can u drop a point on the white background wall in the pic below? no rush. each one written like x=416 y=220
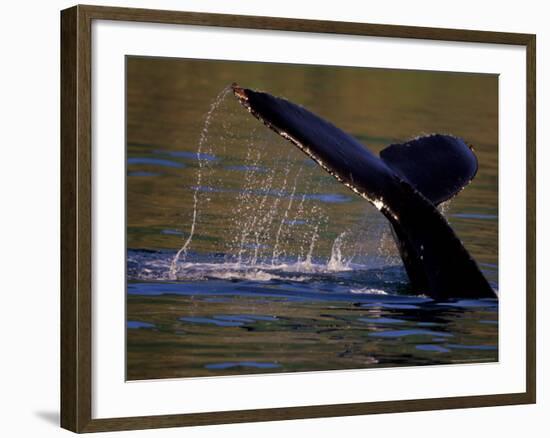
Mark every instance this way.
x=29 y=231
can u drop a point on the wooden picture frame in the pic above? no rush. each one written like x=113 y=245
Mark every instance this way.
x=76 y=218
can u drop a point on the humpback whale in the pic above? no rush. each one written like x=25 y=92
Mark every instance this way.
x=405 y=183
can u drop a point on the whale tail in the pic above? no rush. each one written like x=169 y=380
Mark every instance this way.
x=405 y=183
x=438 y=166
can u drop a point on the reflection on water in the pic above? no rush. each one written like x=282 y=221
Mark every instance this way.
x=284 y=269
x=219 y=327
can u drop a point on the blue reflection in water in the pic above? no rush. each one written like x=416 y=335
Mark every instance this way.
x=246 y=318
x=140 y=173
x=411 y=332
x=331 y=198
x=172 y=232
x=154 y=162
x=138 y=324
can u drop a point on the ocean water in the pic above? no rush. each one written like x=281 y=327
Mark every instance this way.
x=244 y=257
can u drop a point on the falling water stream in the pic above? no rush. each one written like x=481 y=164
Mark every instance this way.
x=271 y=227
x=183 y=250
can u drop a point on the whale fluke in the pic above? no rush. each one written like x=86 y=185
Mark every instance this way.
x=438 y=166
x=405 y=183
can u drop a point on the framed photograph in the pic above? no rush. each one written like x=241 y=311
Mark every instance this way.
x=268 y=219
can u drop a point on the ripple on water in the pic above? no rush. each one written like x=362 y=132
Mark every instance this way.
x=471 y=347
x=382 y=320
x=488 y=321
x=488 y=303
x=245 y=364
x=219 y=323
x=259 y=169
x=478 y=216
x=228 y=320
x=434 y=348
x=392 y=306
x=189 y=155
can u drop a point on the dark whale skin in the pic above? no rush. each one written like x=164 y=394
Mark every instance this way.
x=437 y=263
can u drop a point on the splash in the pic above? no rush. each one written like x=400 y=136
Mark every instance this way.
x=144 y=266
x=182 y=252
x=276 y=250
x=336 y=261
x=280 y=212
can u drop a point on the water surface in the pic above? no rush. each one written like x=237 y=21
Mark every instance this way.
x=280 y=268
